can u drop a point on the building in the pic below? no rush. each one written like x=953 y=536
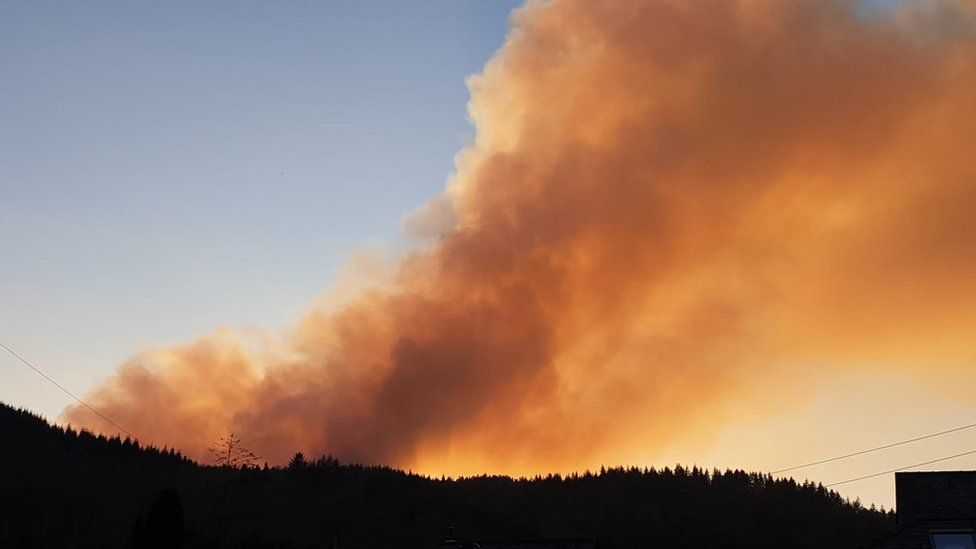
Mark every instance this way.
x=935 y=511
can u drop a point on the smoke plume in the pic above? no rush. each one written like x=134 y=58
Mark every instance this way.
x=665 y=202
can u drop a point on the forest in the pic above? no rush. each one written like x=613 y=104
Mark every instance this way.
x=60 y=487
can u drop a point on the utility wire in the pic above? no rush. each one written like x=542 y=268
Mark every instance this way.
x=872 y=475
x=67 y=392
x=875 y=449
x=810 y=464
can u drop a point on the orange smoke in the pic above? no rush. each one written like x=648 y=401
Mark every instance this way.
x=665 y=202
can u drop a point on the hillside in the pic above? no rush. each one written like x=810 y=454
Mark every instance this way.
x=61 y=488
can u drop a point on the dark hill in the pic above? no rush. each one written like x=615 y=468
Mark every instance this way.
x=62 y=488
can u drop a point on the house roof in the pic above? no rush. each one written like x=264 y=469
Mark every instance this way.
x=943 y=495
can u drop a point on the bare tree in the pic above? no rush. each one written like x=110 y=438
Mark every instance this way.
x=228 y=452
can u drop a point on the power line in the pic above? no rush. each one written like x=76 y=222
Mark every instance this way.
x=810 y=464
x=67 y=392
x=875 y=449
x=872 y=475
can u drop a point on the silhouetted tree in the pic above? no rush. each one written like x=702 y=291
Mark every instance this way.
x=297 y=462
x=228 y=452
x=163 y=528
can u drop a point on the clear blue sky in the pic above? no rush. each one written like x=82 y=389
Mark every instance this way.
x=142 y=199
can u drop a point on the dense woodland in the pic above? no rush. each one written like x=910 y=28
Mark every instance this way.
x=62 y=488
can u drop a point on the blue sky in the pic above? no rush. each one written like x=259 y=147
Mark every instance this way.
x=170 y=167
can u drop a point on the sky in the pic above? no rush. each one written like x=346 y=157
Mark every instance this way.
x=168 y=170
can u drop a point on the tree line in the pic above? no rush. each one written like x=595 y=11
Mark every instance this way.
x=60 y=487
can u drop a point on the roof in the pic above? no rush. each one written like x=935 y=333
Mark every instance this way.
x=935 y=495
x=932 y=502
